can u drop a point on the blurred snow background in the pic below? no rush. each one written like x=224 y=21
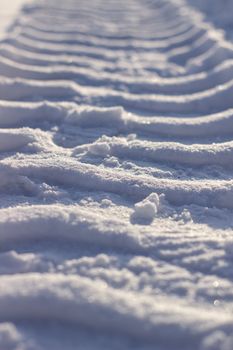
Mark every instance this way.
x=8 y=10
x=220 y=12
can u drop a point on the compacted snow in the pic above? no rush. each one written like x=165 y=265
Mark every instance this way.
x=8 y=12
x=219 y=12
x=116 y=188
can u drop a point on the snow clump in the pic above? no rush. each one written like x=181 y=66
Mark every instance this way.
x=147 y=209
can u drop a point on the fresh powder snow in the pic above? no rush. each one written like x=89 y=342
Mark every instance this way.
x=116 y=175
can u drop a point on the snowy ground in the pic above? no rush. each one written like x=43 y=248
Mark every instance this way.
x=8 y=11
x=219 y=12
x=116 y=190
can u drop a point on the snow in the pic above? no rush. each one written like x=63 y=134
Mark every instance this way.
x=116 y=189
x=9 y=11
x=219 y=12
x=147 y=209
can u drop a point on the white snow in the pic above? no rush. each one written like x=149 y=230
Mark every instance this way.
x=219 y=12
x=8 y=13
x=147 y=209
x=116 y=188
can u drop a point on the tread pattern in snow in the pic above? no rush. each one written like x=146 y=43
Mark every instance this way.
x=116 y=124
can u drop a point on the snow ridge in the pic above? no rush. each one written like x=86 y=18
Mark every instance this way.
x=116 y=190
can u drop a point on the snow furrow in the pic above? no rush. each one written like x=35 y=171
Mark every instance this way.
x=188 y=84
x=70 y=299
x=73 y=173
x=116 y=190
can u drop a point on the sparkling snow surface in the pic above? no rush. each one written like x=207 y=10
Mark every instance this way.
x=116 y=175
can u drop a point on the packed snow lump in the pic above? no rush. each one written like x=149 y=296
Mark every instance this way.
x=116 y=175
